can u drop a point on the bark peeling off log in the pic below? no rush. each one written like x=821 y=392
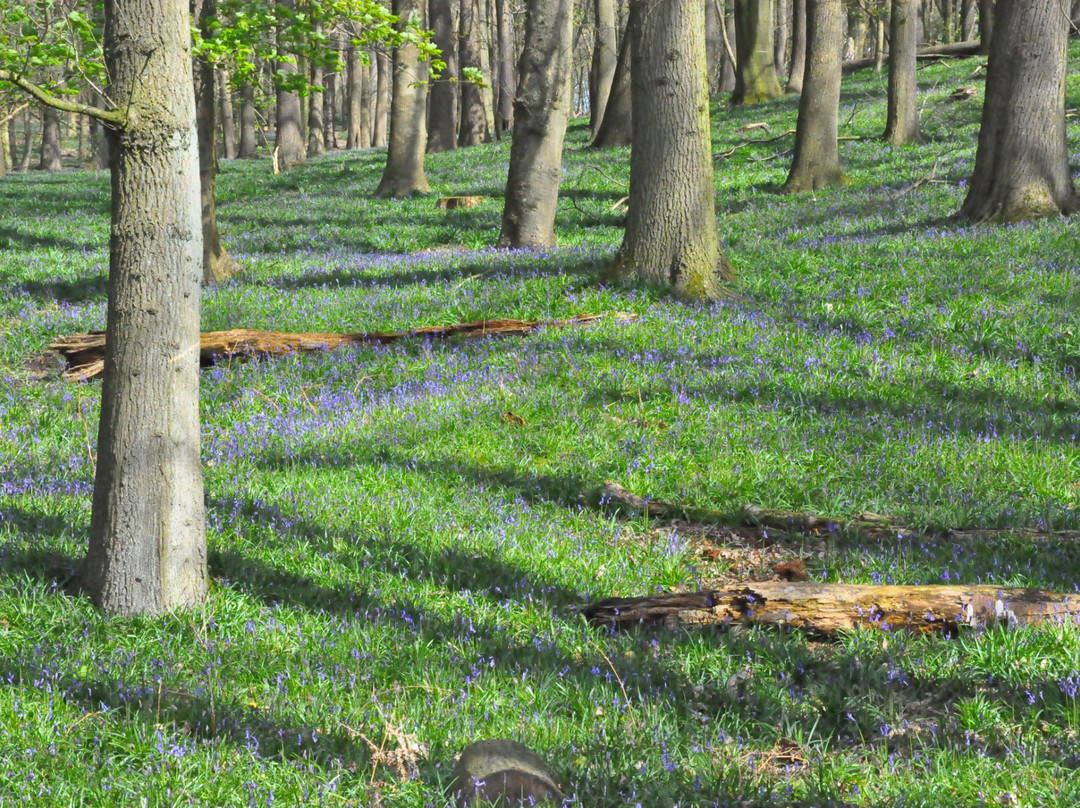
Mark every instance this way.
x=84 y=353
x=826 y=609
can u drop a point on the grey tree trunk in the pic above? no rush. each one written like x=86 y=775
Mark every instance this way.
x=714 y=45
x=879 y=44
x=316 y=142
x=902 y=120
x=289 y=129
x=755 y=73
x=147 y=549
x=781 y=34
x=671 y=234
x=507 y=80
x=50 y=135
x=354 y=99
x=329 y=111
x=541 y=110
x=986 y=25
x=817 y=154
x=1022 y=163
x=798 y=47
x=404 y=171
x=731 y=57
x=228 y=119
x=443 y=98
x=28 y=141
x=473 y=128
x=382 y=100
x=247 y=122
x=605 y=56
x=617 y=126
x=217 y=264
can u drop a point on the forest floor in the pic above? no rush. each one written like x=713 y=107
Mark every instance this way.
x=402 y=537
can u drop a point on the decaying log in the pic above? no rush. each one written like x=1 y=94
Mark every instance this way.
x=825 y=609
x=85 y=353
x=456 y=202
x=954 y=50
x=501 y=772
x=869 y=525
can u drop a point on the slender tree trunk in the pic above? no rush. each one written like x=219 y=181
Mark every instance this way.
x=228 y=119
x=1074 y=18
x=781 y=34
x=404 y=171
x=986 y=24
x=147 y=549
x=443 y=97
x=714 y=45
x=879 y=44
x=902 y=121
x=12 y=143
x=289 y=137
x=1022 y=163
x=4 y=146
x=247 y=121
x=755 y=73
x=605 y=55
x=617 y=125
x=817 y=155
x=967 y=20
x=355 y=69
x=541 y=110
x=382 y=100
x=316 y=141
x=731 y=56
x=473 y=127
x=856 y=27
x=507 y=81
x=488 y=47
x=671 y=234
x=329 y=96
x=28 y=141
x=50 y=140
x=798 y=47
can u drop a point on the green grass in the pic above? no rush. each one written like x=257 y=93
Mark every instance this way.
x=397 y=570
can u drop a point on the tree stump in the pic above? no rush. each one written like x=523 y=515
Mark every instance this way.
x=504 y=773
x=455 y=202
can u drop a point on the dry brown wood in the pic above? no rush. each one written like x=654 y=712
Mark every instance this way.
x=85 y=353
x=954 y=50
x=825 y=609
x=455 y=202
x=870 y=525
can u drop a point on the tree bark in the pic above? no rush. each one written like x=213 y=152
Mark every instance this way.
x=828 y=609
x=755 y=73
x=798 y=47
x=382 y=100
x=404 y=171
x=147 y=549
x=714 y=45
x=617 y=124
x=247 y=122
x=605 y=56
x=541 y=110
x=986 y=25
x=442 y=121
x=902 y=119
x=289 y=131
x=473 y=127
x=507 y=80
x=354 y=99
x=817 y=154
x=330 y=111
x=1022 y=162
x=731 y=57
x=316 y=142
x=671 y=236
x=781 y=30
x=228 y=122
x=50 y=133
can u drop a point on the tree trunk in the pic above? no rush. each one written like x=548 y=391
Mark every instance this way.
x=147 y=529
x=330 y=108
x=12 y=143
x=617 y=124
x=228 y=122
x=829 y=609
x=289 y=128
x=731 y=57
x=28 y=141
x=755 y=73
x=217 y=264
x=605 y=56
x=671 y=234
x=1022 y=163
x=798 y=47
x=541 y=110
x=902 y=120
x=781 y=33
x=817 y=155
x=50 y=133
x=714 y=45
x=443 y=100
x=856 y=28
x=4 y=150
x=382 y=100
x=986 y=25
x=404 y=171
x=507 y=80
x=316 y=141
x=354 y=99
x=473 y=127
x=247 y=121
x=1074 y=18
x=967 y=20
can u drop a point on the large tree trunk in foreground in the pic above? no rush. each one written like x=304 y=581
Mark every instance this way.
x=827 y=609
x=817 y=154
x=541 y=110
x=616 y=127
x=902 y=121
x=1022 y=163
x=147 y=528
x=404 y=171
x=671 y=234
x=605 y=56
x=217 y=263
x=755 y=73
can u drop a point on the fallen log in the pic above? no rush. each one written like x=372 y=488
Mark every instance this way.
x=869 y=525
x=826 y=609
x=952 y=51
x=84 y=354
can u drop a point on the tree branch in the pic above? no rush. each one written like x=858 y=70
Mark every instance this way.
x=115 y=118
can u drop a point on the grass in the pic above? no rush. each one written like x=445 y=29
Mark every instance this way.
x=397 y=569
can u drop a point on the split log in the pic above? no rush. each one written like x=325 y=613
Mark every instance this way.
x=825 y=609
x=504 y=773
x=85 y=353
x=953 y=51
